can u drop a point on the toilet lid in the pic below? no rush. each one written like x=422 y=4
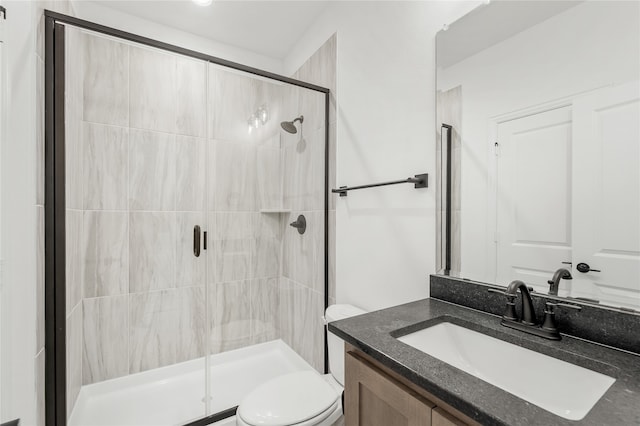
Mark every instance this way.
x=287 y=400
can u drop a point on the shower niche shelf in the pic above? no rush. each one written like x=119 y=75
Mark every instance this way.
x=275 y=211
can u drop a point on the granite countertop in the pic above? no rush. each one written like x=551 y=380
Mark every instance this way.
x=476 y=398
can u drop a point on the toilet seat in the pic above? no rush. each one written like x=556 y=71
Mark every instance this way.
x=301 y=398
x=324 y=419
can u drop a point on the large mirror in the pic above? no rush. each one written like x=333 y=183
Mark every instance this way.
x=539 y=121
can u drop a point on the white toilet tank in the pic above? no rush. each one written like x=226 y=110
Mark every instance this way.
x=336 y=344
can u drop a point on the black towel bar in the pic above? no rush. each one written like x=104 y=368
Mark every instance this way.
x=419 y=181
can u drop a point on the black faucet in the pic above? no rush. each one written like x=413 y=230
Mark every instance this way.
x=547 y=329
x=528 y=313
x=554 y=283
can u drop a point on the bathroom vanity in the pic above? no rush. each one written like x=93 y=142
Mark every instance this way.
x=391 y=382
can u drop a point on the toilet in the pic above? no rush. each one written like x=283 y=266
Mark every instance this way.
x=303 y=398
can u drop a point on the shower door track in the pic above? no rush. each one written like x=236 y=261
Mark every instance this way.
x=55 y=203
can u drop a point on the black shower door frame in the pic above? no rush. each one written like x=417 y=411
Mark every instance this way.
x=55 y=203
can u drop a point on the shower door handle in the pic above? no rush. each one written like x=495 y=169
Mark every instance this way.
x=196 y=241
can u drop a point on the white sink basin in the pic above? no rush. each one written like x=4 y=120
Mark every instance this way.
x=557 y=386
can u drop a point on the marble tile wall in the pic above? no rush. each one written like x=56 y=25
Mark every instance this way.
x=301 y=287
x=151 y=174
x=245 y=180
x=300 y=321
x=101 y=337
x=143 y=172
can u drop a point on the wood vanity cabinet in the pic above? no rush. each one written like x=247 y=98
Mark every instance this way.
x=377 y=396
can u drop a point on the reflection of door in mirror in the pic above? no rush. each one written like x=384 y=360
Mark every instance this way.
x=606 y=160
x=533 y=197
x=568 y=190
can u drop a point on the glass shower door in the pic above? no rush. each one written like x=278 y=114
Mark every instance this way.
x=265 y=278
x=136 y=153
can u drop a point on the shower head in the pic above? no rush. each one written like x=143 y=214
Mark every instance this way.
x=290 y=126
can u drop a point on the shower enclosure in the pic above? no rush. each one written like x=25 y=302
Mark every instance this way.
x=174 y=281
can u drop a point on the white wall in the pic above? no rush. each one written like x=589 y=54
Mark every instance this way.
x=589 y=46
x=122 y=21
x=22 y=346
x=385 y=237
x=19 y=218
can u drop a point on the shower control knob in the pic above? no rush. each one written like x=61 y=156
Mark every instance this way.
x=584 y=268
x=300 y=224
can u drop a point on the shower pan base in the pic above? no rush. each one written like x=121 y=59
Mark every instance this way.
x=174 y=395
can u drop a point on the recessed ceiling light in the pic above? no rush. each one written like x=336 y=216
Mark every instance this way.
x=202 y=2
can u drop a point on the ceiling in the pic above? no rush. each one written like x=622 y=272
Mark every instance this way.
x=270 y=28
x=492 y=23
